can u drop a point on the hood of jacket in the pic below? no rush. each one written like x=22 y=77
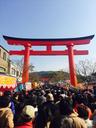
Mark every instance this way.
x=3 y=110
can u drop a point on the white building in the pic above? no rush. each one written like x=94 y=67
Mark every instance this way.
x=14 y=70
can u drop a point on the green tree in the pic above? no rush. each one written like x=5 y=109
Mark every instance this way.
x=60 y=76
x=34 y=77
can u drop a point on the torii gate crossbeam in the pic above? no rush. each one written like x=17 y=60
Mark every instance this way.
x=68 y=42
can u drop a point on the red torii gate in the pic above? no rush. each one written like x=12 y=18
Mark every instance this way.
x=69 y=42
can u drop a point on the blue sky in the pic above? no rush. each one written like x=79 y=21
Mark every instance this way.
x=49 y=19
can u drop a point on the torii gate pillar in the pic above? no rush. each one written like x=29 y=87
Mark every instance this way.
x=25 y=75
x=72 y=70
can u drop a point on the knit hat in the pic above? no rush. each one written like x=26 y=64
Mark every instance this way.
x=29 y=111
x=50 y=97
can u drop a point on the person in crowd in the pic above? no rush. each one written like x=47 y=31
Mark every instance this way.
x=26 y=118
x=94 y=118
x=83 y=112
x=45 y=112
x=69 y=118
x=6 y=115
x=41 y=98
x=80 y=99
x=18 y=106
x=93 y=104
x=12 y=106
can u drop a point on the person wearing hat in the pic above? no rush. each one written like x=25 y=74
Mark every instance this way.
x=26 y=118
x=50 y=97
x=45 y=112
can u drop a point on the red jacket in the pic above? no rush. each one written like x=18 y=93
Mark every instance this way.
x=25 y=125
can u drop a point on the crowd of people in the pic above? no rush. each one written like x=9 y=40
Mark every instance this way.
x=49 y=106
